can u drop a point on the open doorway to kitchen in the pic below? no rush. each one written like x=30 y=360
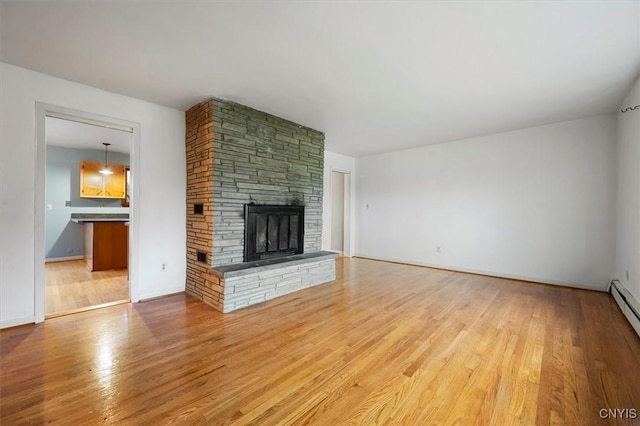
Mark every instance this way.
x=84 y=193
x=340 y=212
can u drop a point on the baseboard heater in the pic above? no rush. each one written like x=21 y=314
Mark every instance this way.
x=626 y=303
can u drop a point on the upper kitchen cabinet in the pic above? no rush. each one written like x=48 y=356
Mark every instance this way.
x=94 y=184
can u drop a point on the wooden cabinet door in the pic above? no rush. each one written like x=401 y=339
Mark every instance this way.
x=93 y=184
x=106 y=245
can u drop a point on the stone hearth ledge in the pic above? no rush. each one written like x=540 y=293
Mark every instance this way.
x=245 y=284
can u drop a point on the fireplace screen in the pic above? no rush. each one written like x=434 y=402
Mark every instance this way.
x=272 y=231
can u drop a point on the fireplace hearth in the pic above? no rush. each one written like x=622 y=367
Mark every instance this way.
x=272 y=231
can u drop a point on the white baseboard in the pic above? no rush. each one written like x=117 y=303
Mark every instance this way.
x=491 y=274
x=627 y=303
x=155 y=294
x=633 y=320
x=17 y=321
x=63 y=259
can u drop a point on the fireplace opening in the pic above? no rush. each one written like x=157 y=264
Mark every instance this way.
x=272 y=231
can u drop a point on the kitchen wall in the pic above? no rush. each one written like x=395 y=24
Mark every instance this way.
x=65 y=238
x=536 y=204
x=158 y=213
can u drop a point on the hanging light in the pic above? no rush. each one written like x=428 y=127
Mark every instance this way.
x=105 y=170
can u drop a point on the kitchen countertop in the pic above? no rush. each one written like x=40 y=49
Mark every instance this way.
x=99 y=217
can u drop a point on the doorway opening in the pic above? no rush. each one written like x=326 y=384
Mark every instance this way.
x=84 y=253
x=340 y=212
x=74 y=281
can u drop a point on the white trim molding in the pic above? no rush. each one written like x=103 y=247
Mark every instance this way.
x=44 y=110
x=63 y=259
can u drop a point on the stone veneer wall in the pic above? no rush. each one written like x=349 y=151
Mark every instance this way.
x=237 y=155
x=267 y=160
x=199 y=150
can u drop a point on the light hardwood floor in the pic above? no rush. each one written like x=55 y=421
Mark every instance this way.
x=70 y=287
x=383 y=344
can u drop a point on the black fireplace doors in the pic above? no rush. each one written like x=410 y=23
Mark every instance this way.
x=272 y=231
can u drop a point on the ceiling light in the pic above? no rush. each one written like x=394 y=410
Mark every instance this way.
x=105 y=170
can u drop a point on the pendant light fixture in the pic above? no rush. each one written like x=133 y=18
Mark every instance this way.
x=105 y=170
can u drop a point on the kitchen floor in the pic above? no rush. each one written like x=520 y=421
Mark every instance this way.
x=71 y=287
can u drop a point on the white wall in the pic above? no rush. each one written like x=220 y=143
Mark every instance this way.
x=159 y=209
x=536 y=204
x=345 y=164
x=628 y=233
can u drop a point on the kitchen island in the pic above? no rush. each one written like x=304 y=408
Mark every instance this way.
x=106 y=239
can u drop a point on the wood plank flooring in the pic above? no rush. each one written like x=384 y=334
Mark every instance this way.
x=383 y=344
x=70 y=286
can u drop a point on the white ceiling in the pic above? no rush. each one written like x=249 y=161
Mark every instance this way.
x=374 y=76
x=71 y=134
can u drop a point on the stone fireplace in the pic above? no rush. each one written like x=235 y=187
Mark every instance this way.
x=240 y=160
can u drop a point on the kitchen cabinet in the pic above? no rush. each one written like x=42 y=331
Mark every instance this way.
x=106 y=245
x=93 y=184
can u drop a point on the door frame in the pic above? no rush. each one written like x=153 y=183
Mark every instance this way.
x=44 y=110
x=346 y=238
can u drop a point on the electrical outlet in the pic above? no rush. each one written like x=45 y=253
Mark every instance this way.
x=438 y=249
x=67 y=203
x=49 y=206
x=164 y=266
